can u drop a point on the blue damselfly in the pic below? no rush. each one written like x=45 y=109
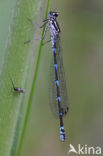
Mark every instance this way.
x=58 y=94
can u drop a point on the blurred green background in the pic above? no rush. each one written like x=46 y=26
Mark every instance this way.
x=81 y=25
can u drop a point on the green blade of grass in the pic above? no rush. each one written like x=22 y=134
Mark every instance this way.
x=16 y=61
x=33 y=86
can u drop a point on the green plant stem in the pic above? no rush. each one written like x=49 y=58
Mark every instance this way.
x=33 y=87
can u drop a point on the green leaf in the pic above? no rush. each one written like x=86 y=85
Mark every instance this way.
x=20 y=62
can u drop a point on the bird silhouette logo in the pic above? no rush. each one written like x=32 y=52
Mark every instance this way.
x=72 y=149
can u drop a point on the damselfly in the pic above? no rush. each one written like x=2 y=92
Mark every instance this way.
x=58 y=94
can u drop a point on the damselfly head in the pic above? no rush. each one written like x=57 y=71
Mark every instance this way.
x=53 y=14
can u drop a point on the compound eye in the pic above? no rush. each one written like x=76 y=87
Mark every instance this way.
x=53 y=14
x=56 y=14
